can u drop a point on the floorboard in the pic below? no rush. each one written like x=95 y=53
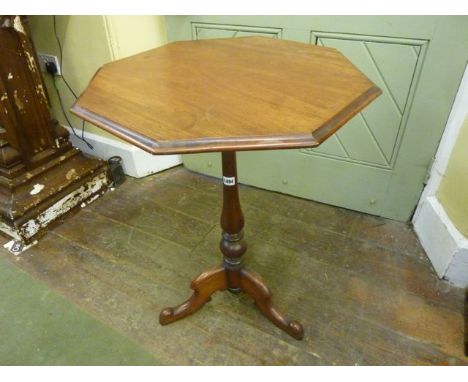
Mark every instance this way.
x=361 y=285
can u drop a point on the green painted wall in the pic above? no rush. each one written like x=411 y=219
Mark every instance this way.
x=88 y=43
x=453 y=190
x=85 y=49
x=134 y=34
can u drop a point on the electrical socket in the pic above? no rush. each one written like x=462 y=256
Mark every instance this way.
x=45 y=58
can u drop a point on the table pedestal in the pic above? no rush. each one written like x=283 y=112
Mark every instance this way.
x=231 y=275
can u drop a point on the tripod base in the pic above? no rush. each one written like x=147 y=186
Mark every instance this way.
x=216 y=279
x=231 y=275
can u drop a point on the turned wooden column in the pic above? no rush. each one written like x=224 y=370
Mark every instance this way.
x=42 y=176
x=232 y=222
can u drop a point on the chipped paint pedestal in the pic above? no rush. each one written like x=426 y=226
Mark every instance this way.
x=31 y=202
x=42 y=176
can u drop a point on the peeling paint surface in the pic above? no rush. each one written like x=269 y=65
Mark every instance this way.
x=31 y=227
x=30 y=61
x=18 y=102
x=18 y=25
x=6 y=23
x=36 y=189
x=40 y=91
x=72 y=174
x=10 y=231
x=89 y=201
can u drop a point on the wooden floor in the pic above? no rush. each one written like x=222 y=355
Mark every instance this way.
x=361 y=286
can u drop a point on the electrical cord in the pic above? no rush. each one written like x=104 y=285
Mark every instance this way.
x=60 y=58
x=61 y=106
x=53 y=70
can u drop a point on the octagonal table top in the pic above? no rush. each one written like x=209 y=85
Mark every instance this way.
x=248 y=93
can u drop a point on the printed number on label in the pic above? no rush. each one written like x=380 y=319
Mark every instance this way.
x=229 y=180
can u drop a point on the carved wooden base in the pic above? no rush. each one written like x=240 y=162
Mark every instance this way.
x=42 y=176
x=216 y=279
x=32 y=201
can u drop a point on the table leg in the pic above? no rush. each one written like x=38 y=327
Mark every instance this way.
x=231 y=275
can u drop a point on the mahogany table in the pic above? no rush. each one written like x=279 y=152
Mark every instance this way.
x=226 y=95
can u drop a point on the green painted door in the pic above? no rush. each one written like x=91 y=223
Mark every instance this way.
x=377 y=163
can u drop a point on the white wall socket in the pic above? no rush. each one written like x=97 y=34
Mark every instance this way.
x=44 y=58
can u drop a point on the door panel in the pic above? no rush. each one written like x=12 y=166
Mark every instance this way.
x=201 y=31
x=377 y=162
x=372 y=137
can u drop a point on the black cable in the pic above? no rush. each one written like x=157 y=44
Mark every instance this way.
x=60 y=59
x=69 y=88
x=66 y=117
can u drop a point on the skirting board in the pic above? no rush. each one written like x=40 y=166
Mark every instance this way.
x=136 y=162
x=445 y=246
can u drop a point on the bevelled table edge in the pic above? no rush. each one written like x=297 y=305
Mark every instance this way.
x=217 y=144
x=338 y=120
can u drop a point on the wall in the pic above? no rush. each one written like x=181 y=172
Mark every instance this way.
x=133 y=34
x=440 y=220
x=453 y=190
x=85 y=48
x=89 y=42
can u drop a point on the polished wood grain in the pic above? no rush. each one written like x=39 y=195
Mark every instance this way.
x=204 y=286
x=246 y=93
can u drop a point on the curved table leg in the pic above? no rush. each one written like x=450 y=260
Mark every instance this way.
x=254 y=286
x=204 y=286
x=231 y=275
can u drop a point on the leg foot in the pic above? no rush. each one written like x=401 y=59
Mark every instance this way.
x=253 y=285
x=204 y=286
